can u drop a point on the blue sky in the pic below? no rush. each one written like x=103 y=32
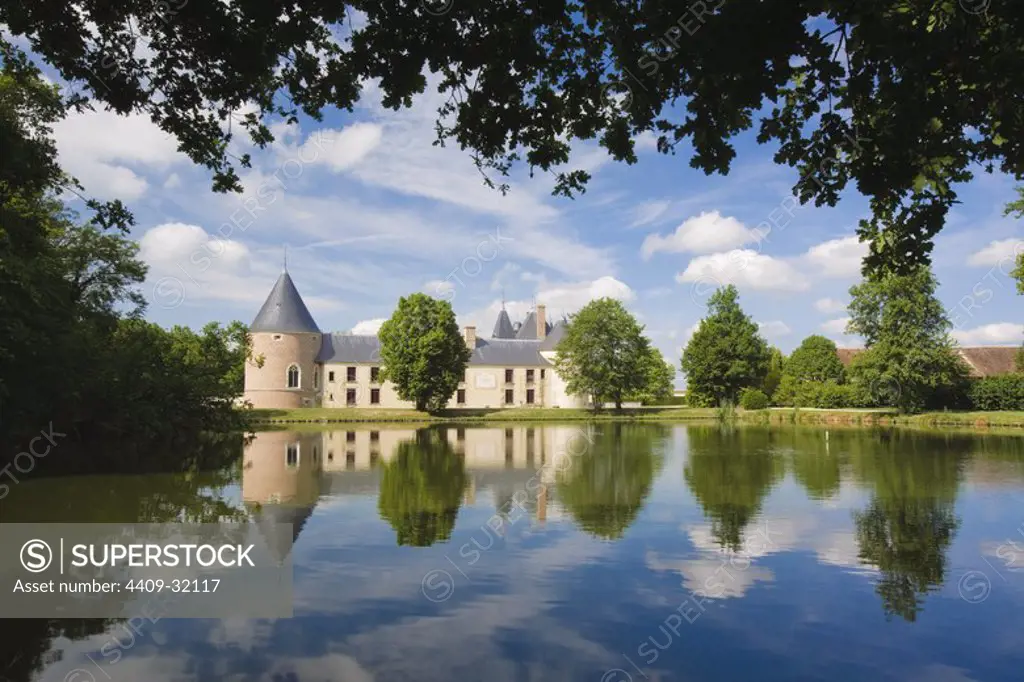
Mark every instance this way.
x=370 y=210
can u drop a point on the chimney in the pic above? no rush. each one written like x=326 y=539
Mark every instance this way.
x=542 y=321
x=469 y=333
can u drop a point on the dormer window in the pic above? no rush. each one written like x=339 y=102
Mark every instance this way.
x=293 y=376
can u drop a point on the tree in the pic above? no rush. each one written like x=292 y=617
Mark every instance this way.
x=910 y=361
x=776 y=365
x=901 y=98
x=607 y=485
x=725 y=354
x=422 y=352
x=658 y=379
x=814 y=362
x=421 y=489
x=604 y=354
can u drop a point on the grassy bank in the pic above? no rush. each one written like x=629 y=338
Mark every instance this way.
x=885 y=417
x=329 y=415
x=866 y=417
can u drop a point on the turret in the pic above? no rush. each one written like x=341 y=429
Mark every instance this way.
x=282 y=372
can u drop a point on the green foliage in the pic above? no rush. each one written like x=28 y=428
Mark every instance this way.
x=841 y=117
x=658 y=382
x=911 y=362
x=776 y=367
x=725 y=354
x=73 y=349
x=605 y=487
x=753 y=399
x=1001 y=392
x=604 y=355
x=421 y=489
x=816 y=359
x=422 y=351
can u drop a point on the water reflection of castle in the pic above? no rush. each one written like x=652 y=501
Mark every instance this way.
x=285 y=473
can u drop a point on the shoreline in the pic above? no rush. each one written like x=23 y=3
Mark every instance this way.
x=670 y=414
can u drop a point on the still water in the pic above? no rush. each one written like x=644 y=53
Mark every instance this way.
x=613 y=553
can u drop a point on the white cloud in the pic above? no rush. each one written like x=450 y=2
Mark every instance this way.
x=706 y=233
x=559 y=299
x=342 y=149
x=991 y=334
x=829 y=305
x=368 y=326
x=746 y=269
x=98 y=148
x=649 y=211
x=838 y=257
x=996 y=252
x=837 y=326
x=774 y=328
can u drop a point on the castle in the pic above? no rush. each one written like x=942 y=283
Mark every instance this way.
x=304 y=367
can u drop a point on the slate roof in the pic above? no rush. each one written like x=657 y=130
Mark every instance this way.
x=365 y=348
x=284 y=310
x=528 y=330
x=359 y=348
x=503 y=327
x=555 y=335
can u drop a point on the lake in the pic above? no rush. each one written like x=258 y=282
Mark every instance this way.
x=610 y=552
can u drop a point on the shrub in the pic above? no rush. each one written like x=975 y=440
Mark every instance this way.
x=1001 y=392
x=831 y=395
x=753 y=399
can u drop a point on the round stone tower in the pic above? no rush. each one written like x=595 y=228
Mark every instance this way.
x=283 y=372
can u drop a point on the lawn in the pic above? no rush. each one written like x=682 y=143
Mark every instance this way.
x=513 y=414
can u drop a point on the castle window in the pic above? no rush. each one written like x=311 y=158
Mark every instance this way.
x=529 y=396
x=375 y=374
x=350 y=374
x=375 y=396
x=316 y=378
x=508 y=397
x=293 y=376
x=508 y=376
x=542 y=374
x=460 y=396
x=529 y=376
x=291 y=455
x=330 y=376
x=350 y=396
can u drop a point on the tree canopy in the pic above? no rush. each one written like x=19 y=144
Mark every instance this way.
x=910 y=361
x=813 y=363
x=74 y=351
x=604 y=354
x=422 y=351
x=725 y=354
x=902 y=99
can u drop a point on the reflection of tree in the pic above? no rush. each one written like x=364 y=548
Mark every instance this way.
x=24 y=643
x=817 y=462
x=606 y=485
x=189 y=491
x=730 y=471
x=910 y=522
x=421 y=489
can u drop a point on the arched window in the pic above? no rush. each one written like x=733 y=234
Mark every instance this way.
x=293 y=376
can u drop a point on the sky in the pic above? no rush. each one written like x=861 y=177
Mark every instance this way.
x=368 y=210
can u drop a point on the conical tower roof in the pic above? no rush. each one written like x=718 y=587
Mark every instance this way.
x=503 y=327
x=284 y=310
